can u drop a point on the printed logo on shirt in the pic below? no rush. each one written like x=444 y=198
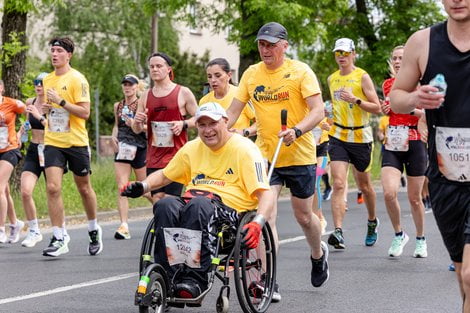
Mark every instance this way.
x=229 y=171
x=64 y=88
x=201 y=179
x=259 y=171
x=265 y=94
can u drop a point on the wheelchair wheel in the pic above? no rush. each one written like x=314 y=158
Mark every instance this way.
x=255 y=270
x=156 y=290
x=146 y=250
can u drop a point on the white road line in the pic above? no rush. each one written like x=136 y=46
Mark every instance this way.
x=67 y=288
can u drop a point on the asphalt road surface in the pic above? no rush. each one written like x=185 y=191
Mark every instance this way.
x=362 y=279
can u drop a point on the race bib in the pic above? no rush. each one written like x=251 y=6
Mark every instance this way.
x=317 y=131
x=183 y=246
x=397 y=138
x=4 y=137
x=162 y=134
x=41 y=154
x=126 y=152
x=453 y=153
x=59 y=120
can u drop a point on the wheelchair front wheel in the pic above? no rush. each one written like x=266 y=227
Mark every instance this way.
x=155 y=296
x=255 y=270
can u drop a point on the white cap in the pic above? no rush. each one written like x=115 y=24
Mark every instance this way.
x=212 y=110
x=344 y=44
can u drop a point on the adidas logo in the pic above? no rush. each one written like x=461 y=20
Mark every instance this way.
x=64 y=88
x=229 y=171
x=463 y=177
x=84 y=171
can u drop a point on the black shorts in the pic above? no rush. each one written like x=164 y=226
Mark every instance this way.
x=300 y=179
x=77 y=159
x=358 y=154
x=139 y=161
x=450 y=206
x=414 y=160
x=31 y=161
x=322 y=149
x=174 y=189
x=11 y=156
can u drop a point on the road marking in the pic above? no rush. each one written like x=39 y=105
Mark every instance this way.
x=67 y=288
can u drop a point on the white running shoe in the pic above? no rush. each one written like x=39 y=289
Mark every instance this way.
x=3 y=237
x=421 y=250
x=15 y=231
x=398 y=243
x=31 y=239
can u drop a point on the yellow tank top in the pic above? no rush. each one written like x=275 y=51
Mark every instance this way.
x=349 y=114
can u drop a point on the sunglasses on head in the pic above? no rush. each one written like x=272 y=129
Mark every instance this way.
x=37 y=82
x=340 y=53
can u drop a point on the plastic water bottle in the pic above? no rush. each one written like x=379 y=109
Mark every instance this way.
x=26 y=128
x=328 y=109
x=440 y=83
x=126 y=113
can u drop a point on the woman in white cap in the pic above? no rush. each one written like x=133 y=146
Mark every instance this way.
x=34 y=161
x=130 y=148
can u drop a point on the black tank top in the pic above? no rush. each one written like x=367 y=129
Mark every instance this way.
x=35 y=123
x=446 y=59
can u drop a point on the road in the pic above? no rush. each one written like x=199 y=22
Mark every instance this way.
x=362 y=279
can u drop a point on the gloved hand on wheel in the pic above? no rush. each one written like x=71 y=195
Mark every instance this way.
x=251 y=232
x=134 y=189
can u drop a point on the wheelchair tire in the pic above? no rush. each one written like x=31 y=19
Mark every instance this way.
x=157 y=288
x=222 y=304
x=255 y=270
x=146 y=248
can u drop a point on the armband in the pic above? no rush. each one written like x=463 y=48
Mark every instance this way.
x=259 y=219
x=145 y=186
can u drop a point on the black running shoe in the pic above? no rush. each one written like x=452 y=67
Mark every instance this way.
x=56 y=247
x=327 y=194
x=96 y=241
x=320 y=272
x=336 y=239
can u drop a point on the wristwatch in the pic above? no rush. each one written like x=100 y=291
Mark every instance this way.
x=246 y=133
x=298 y=132
x=358 y=101
x=62 y=102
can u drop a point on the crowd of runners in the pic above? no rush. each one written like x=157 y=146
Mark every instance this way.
x=426 y=133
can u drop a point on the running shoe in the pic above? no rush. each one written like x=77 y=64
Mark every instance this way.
x=371 y=237
x=421 y=250
x=31 y=239
x=122 y=233
x=320 y=272
x=56 y=247
x=323 y=224
x=360 y=198
x=256 y=289
x=15 y=231
x=452 y=267
x=3 y=237
x=327 y=194
x=336 y=239
x=96 y=241
x=398 y=243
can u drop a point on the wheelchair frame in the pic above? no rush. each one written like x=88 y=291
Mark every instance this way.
x=155 y=290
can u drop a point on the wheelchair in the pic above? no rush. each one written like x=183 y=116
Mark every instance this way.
x=247 y=266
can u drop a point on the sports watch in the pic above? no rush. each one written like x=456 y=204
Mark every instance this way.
x=358 y=101
x=298 y=132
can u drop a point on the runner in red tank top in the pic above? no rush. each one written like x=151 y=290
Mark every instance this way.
x=161 y=112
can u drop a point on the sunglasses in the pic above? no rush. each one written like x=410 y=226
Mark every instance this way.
x=342 y=53
x=37 y=82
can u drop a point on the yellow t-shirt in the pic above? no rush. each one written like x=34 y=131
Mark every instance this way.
x=383 y=124
x=245 y=117
x=234 y=172
x=349 y=114
x=66 y=130
x=272 y=91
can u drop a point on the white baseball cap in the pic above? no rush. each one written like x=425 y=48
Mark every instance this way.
x=344 y=44
x=212 y=110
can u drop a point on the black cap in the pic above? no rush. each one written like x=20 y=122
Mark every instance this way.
x=272 y=32
x=129 y=79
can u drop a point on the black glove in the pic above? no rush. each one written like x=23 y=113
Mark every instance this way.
x=133 y=190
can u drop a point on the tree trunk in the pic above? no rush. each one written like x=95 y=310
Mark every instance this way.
x=13 y=73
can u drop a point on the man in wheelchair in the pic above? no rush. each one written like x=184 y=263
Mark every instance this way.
x=224 y=176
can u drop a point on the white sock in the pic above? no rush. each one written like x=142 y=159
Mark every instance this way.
x=125 y=225
x=64 y=229
x=58 y=232
x=2 y=229
x=34 y=225
x=92 y=224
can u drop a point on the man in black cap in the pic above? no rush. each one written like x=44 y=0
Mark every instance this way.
x=279 y=83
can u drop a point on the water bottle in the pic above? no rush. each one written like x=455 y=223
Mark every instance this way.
x=328 y=109
x=26 y=128
x=126 y=113
x=440 y=83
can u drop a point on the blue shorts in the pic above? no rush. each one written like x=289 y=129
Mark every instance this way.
x=300 y=179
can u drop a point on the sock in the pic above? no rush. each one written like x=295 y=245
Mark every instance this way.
x=125 y=225
x=92 y=224
x=326 y=181
x=64 y=230
x=339 y=229
x=2 y=229
x=420 y=238
x=373 y=221
x=400 y=233
x=58 y=232
x=34 y=225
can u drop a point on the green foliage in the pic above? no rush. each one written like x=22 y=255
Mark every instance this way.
x=12 y=47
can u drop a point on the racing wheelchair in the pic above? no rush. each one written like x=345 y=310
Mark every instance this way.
x=253 y=270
